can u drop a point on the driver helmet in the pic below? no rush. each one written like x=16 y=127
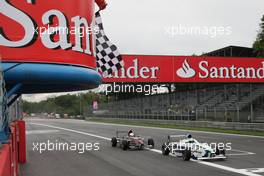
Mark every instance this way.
x=189 y=136
x=131 y=134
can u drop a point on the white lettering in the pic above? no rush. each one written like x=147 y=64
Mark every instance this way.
x=47 y=36
x=49 y=31
x=79 y=22
x=135 y=71
x=202 y=67
x=21 y=18
x=232 y=72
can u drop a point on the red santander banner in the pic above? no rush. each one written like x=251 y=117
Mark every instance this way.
x=47 y=31
x=162 y=69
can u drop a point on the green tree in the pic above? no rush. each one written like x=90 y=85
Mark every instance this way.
x=259 y=43
x=65 y=104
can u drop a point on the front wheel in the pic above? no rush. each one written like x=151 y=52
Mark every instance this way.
x=124 y=145
x=114 y=142
x=220 y=152
x=165 y=149
x=151 y=143
x=223 y=152
x=186 y=155
x=141 y=147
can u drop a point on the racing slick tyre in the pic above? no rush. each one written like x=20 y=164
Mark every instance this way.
x=141 y=147
x=220 y=152
x=165 y=149
x=124 y=145
x=151 y=142
x=186 y=155
x=223 y=152
x=217 y=151
x=114 y=142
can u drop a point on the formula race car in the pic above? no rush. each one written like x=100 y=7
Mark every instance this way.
x=189 y=148
x=128 y=140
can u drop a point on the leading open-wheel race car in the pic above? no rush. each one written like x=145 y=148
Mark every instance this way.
x=189 y=148
x=128 y=140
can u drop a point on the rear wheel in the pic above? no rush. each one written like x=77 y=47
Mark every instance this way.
x=165 y=149
x=186 y=155
x=151 y=142
x=124 y=145
x=114 y=142
x=141 y=147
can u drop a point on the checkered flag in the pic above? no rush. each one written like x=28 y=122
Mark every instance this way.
x=108 y=58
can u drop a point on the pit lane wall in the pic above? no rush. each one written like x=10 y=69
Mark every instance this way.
x=13 y=152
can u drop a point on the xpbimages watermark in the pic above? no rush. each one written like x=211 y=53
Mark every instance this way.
x=176 y=146
x=210 y=31
x=81 y=31
x=146 y=89
x=51 y=146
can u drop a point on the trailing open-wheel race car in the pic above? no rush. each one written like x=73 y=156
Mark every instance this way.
x=128 y=140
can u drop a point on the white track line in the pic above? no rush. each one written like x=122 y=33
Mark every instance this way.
x=254 y=170
x=74 y=131
x=239 y=171
x=218 y=166
x=241 y=153
x=41 y=131
x=136 y=126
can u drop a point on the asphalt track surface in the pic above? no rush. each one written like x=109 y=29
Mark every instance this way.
x=245 y=158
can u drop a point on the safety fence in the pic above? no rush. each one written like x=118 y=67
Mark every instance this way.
x=15 y=111
x=2 y=105
x=223 y=103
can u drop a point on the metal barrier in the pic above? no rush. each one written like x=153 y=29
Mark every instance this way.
x=10 y=107
x=12 y=132
x=3 y=112
x=13 y=152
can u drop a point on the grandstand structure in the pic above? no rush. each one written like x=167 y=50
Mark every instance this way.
x=195 y=101
x=232 y=103
x=233 y=51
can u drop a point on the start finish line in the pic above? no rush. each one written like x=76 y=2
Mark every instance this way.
x=161 y=69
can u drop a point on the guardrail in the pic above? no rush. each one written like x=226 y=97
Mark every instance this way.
x=13 y=152
x=5 y=158
x=197 y=124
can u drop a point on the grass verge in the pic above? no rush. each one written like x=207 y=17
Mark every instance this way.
x=175 y=126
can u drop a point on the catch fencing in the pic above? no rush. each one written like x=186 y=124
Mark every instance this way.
x=222 y=102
